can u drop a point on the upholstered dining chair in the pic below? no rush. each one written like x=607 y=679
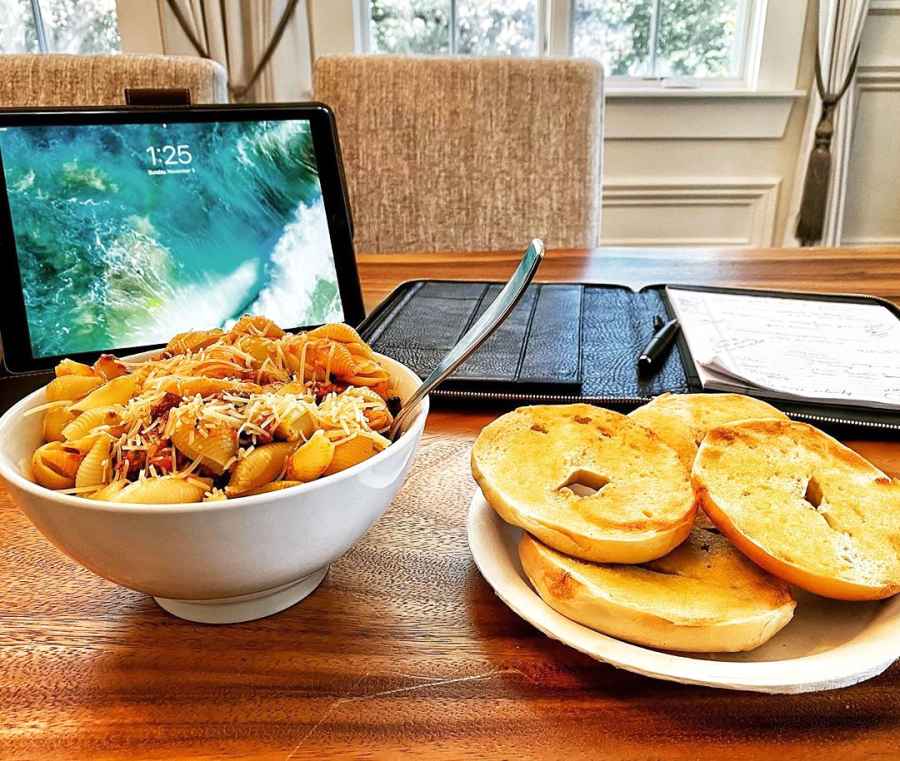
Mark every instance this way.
x=467 y=154
x=50 y=79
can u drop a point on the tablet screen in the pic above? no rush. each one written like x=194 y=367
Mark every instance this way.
x=129 y=233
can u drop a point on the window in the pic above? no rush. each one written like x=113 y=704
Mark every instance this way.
x=699 y=41
x=58 y=26
x=659 y=39
x=440 y=27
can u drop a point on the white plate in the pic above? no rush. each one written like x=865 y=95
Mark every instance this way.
x=828 y=644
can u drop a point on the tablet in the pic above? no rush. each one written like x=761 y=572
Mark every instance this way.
x=122 y=227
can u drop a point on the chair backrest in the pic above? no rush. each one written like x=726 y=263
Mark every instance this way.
x=467 y=154
x=58 y=79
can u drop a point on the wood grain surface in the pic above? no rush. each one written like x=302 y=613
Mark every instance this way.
x=404 y=649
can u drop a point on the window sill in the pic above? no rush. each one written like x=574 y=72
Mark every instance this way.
x=617 y=91
x=658 y=113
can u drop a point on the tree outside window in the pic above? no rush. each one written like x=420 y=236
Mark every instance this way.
x=633 y=38
x=58 y=26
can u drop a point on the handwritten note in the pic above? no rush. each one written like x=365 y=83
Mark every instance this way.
x=793 y=348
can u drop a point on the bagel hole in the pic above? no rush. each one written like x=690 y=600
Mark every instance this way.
x=584 y=483
x=813 y=494
x=815 y=498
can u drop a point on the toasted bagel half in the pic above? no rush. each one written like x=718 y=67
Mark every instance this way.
x=803 y=506
x=586 y=481
x=682 y=420
x=704 y=596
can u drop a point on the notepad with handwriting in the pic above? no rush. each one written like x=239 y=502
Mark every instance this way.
x=792 y=348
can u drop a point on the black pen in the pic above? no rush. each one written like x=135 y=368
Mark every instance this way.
x=656 y=349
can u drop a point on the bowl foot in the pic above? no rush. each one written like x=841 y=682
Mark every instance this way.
x=233 y=610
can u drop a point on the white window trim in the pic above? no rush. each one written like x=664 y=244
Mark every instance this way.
x=562 y=33
x=774 y=38
x=757 y=107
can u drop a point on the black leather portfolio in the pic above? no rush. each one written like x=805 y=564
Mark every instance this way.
x=564 y=342
x=568 y=342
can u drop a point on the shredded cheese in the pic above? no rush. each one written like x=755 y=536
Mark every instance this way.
x=256 y=397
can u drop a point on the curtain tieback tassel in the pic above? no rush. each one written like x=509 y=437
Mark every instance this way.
x=811 y=220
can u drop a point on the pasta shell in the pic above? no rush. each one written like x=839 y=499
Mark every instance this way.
x=117 y=391
x=217 y=368
x=87 y=421
x=215 y=450
x=355 y=450
x=274 y=486
x=71 y=367
x=95 y=468
x=336 y=331
x=335 y=359
x=55 y=420
x=339 y=331
x=72 y=387
x=109 y=367
x=318 y=359
x=82 y=445
x=368 y=373
x=184 y=385
x=258 y=347
x=298 y=426
x=292 y=348
x=193 y=340
x=271 y=373
x=256 y=325
x=54 y=465
x=263 y=465
x=294 y=387
x=375 y=408
x=166 y=490
x=110 y=490
x=311 y=460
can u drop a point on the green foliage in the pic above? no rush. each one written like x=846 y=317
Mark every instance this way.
x=72 y=26
x=423 y=26
x=695 y=37
x=81 y=26
x=506 y=28
x=17 y=30
x=410 y=26
x=616 y=33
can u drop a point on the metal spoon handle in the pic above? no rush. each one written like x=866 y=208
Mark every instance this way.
x=493 y=316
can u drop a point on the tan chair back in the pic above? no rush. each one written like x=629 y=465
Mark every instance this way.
x=468 y=154
x=51 y=79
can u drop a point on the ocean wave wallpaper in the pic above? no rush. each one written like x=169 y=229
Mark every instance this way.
x=127 y=234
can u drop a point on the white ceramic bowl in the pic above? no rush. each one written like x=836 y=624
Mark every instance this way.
x=215 y=562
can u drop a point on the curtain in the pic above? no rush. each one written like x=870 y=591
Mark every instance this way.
x=264 y=45
x=840 y=31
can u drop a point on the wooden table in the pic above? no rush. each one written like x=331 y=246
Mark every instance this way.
x=405 y=648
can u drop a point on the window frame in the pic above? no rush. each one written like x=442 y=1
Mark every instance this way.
x=555 y=32
x=40 y=29
x=362 y=27
x=748 y=37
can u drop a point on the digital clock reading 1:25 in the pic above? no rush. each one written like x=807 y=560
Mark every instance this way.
x=170 y=155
